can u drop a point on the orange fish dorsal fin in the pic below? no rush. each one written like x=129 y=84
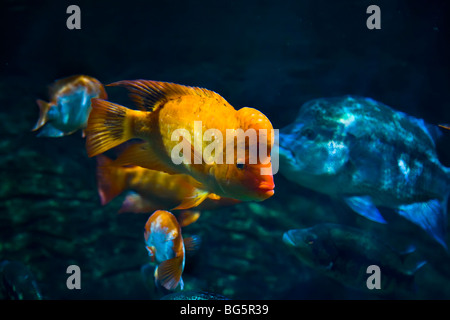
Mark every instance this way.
x=192 y=244
x=193 y=201
x=169 y=272
x=148 y=95
x=187 y=217
x=140 y=154
x=43 y=111
x=111 y=180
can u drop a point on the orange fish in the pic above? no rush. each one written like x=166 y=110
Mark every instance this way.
x=168 y=109
x=69 y=107
x=166 y=247
x=156 y=189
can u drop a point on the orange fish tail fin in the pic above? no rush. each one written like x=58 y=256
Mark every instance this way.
x=169 y=273
x=111 y=180
x=108 y=126
x=43 y=111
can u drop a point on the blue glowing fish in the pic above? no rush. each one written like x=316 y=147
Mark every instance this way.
x=70 y=106
x=371 y=156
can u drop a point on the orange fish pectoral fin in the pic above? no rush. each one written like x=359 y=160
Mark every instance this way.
x=111 y=179
x=43 y=111
x=187 y=217
x=192 y=244
x=192 y=202
x=108 y=126
x=169 y=272
x=141 y=154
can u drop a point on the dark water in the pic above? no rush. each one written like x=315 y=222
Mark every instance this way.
x=271 y=55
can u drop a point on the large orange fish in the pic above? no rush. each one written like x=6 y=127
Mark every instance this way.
x=70 y=105
x=167 y=108
x=155 y=189
x=166 y=247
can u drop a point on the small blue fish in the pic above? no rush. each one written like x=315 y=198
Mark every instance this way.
x=70 y=106
x=369 y=155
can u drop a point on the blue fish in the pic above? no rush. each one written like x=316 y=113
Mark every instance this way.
x=70 y=106
x=371 y=156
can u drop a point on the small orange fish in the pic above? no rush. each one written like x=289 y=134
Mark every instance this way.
x=166 y=247
x=69 y=107
x=156 y=189
x=166 y=109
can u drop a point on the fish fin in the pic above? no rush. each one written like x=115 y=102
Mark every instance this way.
x=140 y=154
x=181 y=284
x=147 y=274
x=50 y=131
x=137 y=204
x=43 y=111
x=108 y=126
x=444 y=126
x=193 y=201
x=412 y=268
x=169 y=272
x=187 y=217
x=111 y=179
x=430 y=216
x=148 y=95
x=192 y=244
x=363 y=206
